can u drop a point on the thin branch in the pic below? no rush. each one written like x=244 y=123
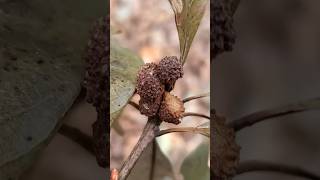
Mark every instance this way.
x=78 y=137
x=149 y=132
x=196 y=97
x=251 y=166
x=153 y=159
x=195 y=114
x=135 y=105
x=259 y=116
x=185 y=129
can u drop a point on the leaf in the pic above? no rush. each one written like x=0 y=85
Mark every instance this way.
x=188 y=15
x=195 y=166
x=41 y=69
x=124 y=66
x=162 y=166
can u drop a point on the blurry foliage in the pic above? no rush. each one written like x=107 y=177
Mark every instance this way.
x=40 y=76
x=195 y=165
x=124 y=66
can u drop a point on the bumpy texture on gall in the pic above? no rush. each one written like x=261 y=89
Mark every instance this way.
x=96 y=83
x=171 y=109
x=224 y=158
x=149 y=86
x=97 y=70
x=169 y=70
x=223 y=35
x=150 y=107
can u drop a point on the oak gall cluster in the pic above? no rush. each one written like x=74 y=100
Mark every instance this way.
x=154 y=83
x=223 y=35
x=96 y=83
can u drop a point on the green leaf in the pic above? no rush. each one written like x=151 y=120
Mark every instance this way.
x=162 y=166
x=188 y=15
x=124 y=66
x=195 y=166
x=41 y=69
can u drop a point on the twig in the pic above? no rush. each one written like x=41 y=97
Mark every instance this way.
x=250 y=166
x=77 y=136
x=259 y=116
x=135 y=105
x=195 y=114
x=153 y=159
x=185 y=129
x=149 y=133
x=196 y=97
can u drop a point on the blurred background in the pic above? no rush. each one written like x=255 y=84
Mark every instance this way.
x=276 y=61
x=148 y=29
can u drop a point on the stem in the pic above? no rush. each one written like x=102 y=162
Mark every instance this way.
x=196 y=97
x=185 y=129
x=78 y=137
x=195 y=114
x=135 y=105
x=259 y=116
x=149 y=133
x=250 y=166
x=153 y=159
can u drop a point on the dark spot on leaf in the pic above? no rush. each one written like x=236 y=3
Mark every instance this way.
x=7 y=27
x=29 y=138
x=16 y=88
x=40 y=61
x=46 y=78
x=62 y=88
x=13 y=58
x=10 y=55
x=6 y=67
x=15 y=68
x=21 y=49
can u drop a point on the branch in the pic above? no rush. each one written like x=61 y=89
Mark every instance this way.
x=196 y=97
x=259 y=116
x=149 y=133
x=195 y=114
x=135 y=105
x=250 y=166
x=78 y=137
x=153 y=159
x=202 y=131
